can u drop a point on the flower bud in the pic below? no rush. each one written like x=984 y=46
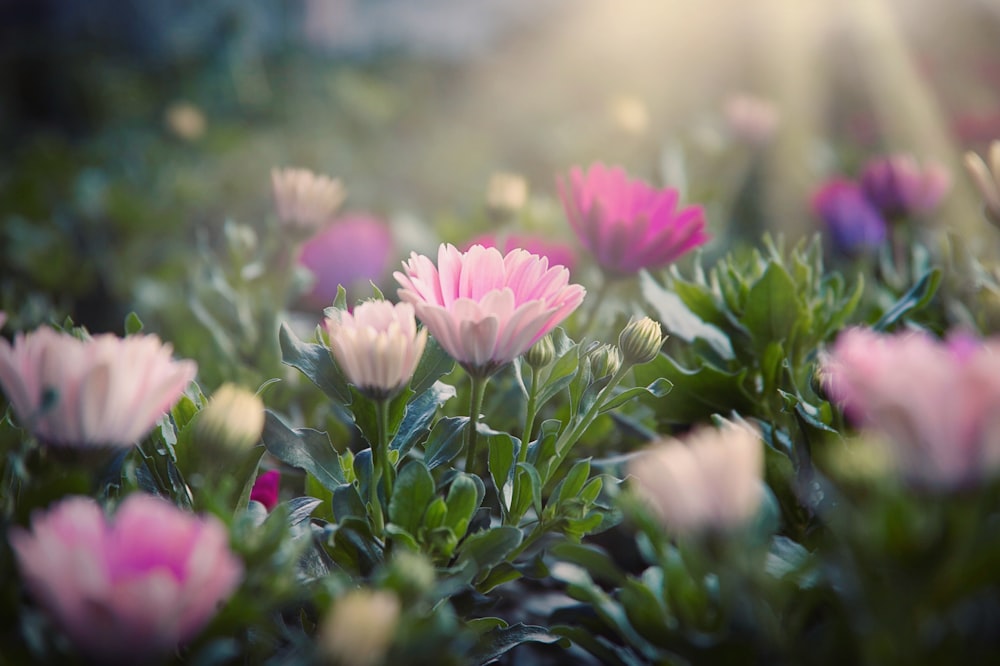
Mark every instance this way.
x=605 y=361
x=411 y=575
x=359 y=629
x=541 y=354
x=640 y=341
x=231 y=422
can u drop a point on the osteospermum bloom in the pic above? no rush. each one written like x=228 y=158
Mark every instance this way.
x=853 y=223
x=129 y=589
x=897 y=185
x=628 y=224
x=305 y=200
x=102 y=391
x=377 y=346
x=936 y=403
x=354 y=250
x=558 y=254
x=710 y=481
x=485 y=308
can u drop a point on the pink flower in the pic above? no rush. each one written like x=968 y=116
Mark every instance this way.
x=897 y=185
x=130 y=589
x=751 y=119
x=102 y=391
x=305 y=201
x=627 y=224
x=558 y=254
x=485 y=308
x=352 y=251
x=265 y=489
x=377 y=346
x=712 y=480
x=937 y=404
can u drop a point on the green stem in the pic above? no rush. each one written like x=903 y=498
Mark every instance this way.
x=471 y=433
x=529 y=417
x=382 y=413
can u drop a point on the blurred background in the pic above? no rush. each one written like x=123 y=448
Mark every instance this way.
x=131 y=131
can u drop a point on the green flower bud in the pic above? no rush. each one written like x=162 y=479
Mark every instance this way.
x=231 y=422
x=640 y=341
x=605 y=361
x=541 y=354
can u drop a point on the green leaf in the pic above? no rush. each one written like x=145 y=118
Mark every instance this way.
x=436 y=515
x=595 y=560
x=676 y=316
x=502 y=454
x=772 y=307
x=413 y=492
x=697 y=394
x=314 y=361
x=446 y=441
x=497 y=642
x=133 y=324
x=434 y=364
x=913 y=300
x=464 y=497
x=420 y=412
x=347 y=503
x=645 y=611
x=528 y=490
x=488 y=548
x=657 y=389
x=304 y=448
x=573 y=482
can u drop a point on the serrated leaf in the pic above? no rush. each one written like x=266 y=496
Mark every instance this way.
x=314 y=361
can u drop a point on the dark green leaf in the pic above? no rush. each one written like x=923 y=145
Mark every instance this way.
x=498 y=641
x=304 y=448
x=434 y=364
x=488 y=548
x=419 y=414
x=413 y=492
x=915 y=299
x=133 y=324
x=446 y=441
x=464 y=497
x=314 y=361
x=657 y=389
x=772 y=307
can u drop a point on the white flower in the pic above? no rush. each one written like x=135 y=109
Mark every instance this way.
x=305 y=201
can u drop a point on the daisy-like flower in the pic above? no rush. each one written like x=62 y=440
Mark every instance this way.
x=377 y=346
x=485 y=308
x=102 y=391
x=305 y=201
x=130 y=589
x=628 y=224
x=558 y=254
x=935 y=403
x=897 y=185
x=710 y=481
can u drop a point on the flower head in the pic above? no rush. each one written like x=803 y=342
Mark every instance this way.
x=854 y=224
x=987 y=179
x=558 y=254
x=898 y=186
x=640 y=341
x=231 y=421
x=506 y=192
x=352 y=251
x=377 y=346
x=627 y=224
x=305 y=201
x=265 y=489
x=102 y=391
x=710 y=481
x=937 y=404
x=360 y=628
x=130 y=589
x=485 y=308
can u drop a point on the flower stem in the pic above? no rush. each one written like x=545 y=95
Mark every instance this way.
x=529 y=417
x=471 y=435
x=381 y=467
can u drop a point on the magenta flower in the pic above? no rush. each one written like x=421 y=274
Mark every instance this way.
x=937 y=404
x=265 y=489
x=131 y=589
x=102 y=391
x=853 y=223
x=352 y=251
x=627 y=224
x=485 y=308
x=558 y=254
x=377 y=346
x=898 y=186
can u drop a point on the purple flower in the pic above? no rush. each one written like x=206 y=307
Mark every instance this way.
x=265 y=489
x=628 y=224
x=101 y=391
x=352 y=251
x=853 y=223
x=130 y=589
x=898 y=186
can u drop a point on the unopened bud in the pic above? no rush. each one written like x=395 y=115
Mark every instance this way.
x=541 y=354
x=231 y=422
x=640 y=341
x=605 y=361
x=360 y=628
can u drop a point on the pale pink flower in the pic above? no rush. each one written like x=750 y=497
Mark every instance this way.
x=710 y=481
x=628 y=224
x=751 y=119
x=354 y=250
x=377 y=346
x=558 y=254
x=485 y=308
x=305 y=201
x=936 y=404
x=102 y=391
x=130 y=589
x=898 y=185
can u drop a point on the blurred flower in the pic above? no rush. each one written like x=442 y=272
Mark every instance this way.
x=231 y=421
x=558 y=254
x=265 y=489
x=987 y=179
x=710 y=481
x=360 y=628
x=640 y=341
x=853 y=223
x=103 y=391
x=627 y=224
x=506 y=192
x=629 y=114
x=378 y=346
x=352 y=251
x=751 y=119
x=897 y=186
x=485 y=308
x=936 y=403
x=185 y=120
x=130 y=589
x=305 y=201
